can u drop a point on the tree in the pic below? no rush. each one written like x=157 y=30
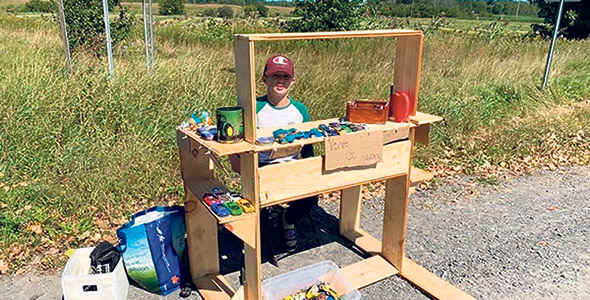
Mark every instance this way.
x=171 y=7
x=255 y=10
x=85 y=24
x=575 y=22
x=326 y=15
x=225 y=12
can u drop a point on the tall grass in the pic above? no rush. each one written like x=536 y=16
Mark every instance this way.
x=78 y=149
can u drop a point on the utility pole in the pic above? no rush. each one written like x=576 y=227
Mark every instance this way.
x=64 y=35
x=145 y=35
x=107 y=27
x=552 y=47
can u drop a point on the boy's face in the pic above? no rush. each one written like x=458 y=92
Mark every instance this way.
x=278 y=84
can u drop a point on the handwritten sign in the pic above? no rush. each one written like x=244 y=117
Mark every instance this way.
x=361 y=148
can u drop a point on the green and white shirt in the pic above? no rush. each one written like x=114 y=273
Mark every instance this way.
x=268 y=115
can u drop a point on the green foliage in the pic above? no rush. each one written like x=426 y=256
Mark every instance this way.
x=40 y=6
x=326 y=15
x=85 y=24
x=575 y=22
x=255 y=10
x=210 y=12
x=171 y=7
x=225 y=12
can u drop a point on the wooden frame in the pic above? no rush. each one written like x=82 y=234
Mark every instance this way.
x=262 y=188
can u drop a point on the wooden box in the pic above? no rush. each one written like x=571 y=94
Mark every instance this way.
x=367 y=111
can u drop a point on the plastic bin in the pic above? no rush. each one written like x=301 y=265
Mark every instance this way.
x=78 y=284
x=281 y=286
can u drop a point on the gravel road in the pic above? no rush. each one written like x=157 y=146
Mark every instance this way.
x=526 y=238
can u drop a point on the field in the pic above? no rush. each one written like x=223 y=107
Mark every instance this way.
x=79 y=153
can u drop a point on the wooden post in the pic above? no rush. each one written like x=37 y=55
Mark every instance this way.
x=408 y=59
x=252 y=259
x=246 y=85
x=201 y=230
x=350 y=209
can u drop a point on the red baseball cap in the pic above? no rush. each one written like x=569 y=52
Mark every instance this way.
x=279 y=63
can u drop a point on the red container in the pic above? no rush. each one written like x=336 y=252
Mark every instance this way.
x=401 y=107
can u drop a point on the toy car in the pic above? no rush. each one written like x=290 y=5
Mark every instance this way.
x=235 y=197
x=209 y=199
x=234 y=209
x=246 y=206
x=220 y=210
x=216 y=192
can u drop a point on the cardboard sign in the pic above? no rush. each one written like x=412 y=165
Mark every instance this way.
x=361 y=148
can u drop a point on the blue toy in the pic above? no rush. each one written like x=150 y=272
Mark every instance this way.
x=220 y=210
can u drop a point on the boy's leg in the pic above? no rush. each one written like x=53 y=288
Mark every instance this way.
x=294 y=213
x=300 y=208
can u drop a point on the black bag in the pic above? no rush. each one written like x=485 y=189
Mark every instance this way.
x=104 y=258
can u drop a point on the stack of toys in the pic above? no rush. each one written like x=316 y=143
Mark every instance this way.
x=321 y=291
x=201 y=124
x=225 y=204
x=287 y=136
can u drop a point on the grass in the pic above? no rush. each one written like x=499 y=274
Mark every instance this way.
x=80 y=153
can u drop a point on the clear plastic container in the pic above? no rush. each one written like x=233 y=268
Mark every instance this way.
x=281 y=286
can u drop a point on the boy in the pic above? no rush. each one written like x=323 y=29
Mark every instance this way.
x=274 y=109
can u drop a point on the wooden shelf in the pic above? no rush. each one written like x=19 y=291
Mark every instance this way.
x=329 y=35
x=201 y=187
x=423 y=118
x=218 y=148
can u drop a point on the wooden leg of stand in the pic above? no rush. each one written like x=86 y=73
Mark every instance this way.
x=394 y=220
x=201 y=229
x=350 y=209
x=252 y=259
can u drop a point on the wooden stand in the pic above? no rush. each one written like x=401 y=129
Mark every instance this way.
x=306 y=177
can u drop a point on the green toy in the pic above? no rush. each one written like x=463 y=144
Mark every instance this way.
x=235 y=209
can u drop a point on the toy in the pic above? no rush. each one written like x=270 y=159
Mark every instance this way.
x=194 y=120
x=220 y=210
x=281 y=134
x=246 y=206
x=209 y=199
x=234 y=209
x=206 y=118
x=234 y=197
x=265 y=140
x=216 y=192
x=315 y=132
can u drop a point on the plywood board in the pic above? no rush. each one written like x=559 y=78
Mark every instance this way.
x=423 y=118
x=246 y=86
x=418 y=176
x=364 y=240
x=201 y=231
x=395 y=216
x=368 y=271
x=362 y=148
x=408 y=60
x=200 y=187
x=350 y=209
x=307 y=177
x=430 y=283
x=329 y=35
x=218 y=148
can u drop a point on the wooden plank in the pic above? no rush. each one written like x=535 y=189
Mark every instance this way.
x=408 y=59
x=423 y=134
x=423 y=118
x=192 y=158
x=214 y=287
x=201 y=230
x=242 y=228
x=239 y=295
x=418 y=176
x=350 y=209
x=430 y=283
x=394 y=220
x=329 y=35
x=200 y=187
x=364 y=240
x=368 y=271
x=252 y=253
x=246 y=86
x=307 y=177
x=218 y=148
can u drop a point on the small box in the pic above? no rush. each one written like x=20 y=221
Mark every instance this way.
x=78 y=284
x=367 y=111
x=281 y=286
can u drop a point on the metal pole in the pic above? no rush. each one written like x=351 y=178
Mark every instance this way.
x=553 y=40
x=152 y=33
x=107 y=27
x=145 y=35
x=64 y=35
x=517 y=8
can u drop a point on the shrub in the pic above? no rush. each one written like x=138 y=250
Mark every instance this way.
x=255 y=10
x=85 y=24
x=326 y=15
x=225 y=12
x=40 y=6
x=209 y=12
x=171 y=7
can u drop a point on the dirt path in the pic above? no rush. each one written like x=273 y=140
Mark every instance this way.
x=526 y=238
